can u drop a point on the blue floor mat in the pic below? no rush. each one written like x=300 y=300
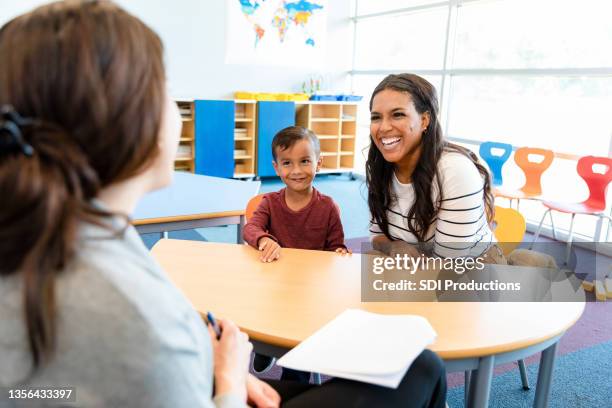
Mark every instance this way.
x=581 y=379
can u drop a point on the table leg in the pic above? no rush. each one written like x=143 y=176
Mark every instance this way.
x=240 y=227
x=547 y=362
x=523 y=371
x=480 y=383
x=466 y=387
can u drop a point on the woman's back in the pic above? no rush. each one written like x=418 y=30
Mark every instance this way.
x=125 y=335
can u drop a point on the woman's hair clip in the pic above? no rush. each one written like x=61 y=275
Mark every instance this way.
x=11 y=137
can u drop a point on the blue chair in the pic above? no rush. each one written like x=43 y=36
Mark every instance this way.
x=495 y=162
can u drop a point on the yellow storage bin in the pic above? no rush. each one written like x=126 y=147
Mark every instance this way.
x=299 y=97
x=262 y=96
x=244 y=95
x=283 y=97
x=268 y=96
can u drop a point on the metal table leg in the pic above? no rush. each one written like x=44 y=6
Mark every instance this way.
x=523 y=371
x=547 y=362
x=480 y=383
x=466 y=388
x=239 y=228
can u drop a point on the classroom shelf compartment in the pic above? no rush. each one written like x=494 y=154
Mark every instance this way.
x=334 y=124
x=185 y=159
x=245 y=130
x=332 y=120
x=182 y=159
x=325 y=111
x=347 y=162
x=329 y=161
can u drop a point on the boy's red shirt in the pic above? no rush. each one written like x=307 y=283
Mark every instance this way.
x=316 y=226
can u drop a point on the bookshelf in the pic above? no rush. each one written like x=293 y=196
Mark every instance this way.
x=245 y=135
x=335 y=125
x=185 y=157
x=233 y=138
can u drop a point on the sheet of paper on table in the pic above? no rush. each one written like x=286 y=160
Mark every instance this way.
x=363 y=346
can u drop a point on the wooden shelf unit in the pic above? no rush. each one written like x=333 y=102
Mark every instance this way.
x=245 y=129
x=335 y=125
x=185 y=159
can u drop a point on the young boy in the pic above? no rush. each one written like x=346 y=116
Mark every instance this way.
x=297 y=216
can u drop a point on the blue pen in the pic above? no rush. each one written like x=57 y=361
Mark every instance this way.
x=213 y=323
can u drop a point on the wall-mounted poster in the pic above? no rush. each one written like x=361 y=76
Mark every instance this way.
x=276 y=32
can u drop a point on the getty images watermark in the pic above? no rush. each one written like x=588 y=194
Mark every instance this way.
x=419 y=276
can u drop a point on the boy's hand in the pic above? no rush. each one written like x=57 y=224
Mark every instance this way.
x=269 y=248
x=344 y=251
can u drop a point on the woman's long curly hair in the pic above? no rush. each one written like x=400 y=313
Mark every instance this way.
x=379 y=172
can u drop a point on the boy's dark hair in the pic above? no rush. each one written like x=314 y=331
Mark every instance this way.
x=288 y=136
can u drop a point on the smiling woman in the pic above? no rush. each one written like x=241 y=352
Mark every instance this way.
x=422 y=188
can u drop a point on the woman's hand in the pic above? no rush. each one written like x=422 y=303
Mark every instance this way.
x=393 y=248
x=403 y=247
x=232 y=354
x=269 y=248
x=261 y=394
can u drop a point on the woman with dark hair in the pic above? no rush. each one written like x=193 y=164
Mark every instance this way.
x=86 y=129
x=421 y=188
x=426 y=194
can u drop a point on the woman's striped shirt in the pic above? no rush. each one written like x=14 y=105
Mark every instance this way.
x=460 y=226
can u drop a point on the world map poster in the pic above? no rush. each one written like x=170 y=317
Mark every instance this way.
x=276 y=32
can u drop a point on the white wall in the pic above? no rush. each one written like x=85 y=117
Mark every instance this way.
x=193 y=32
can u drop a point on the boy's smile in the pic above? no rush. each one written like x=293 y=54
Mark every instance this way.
x=297 y=165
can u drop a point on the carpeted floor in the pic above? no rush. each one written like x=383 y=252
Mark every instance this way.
x=580 y=379
x=584 y=363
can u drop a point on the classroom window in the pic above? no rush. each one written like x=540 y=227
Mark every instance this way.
x=534 y=34
x=566 y=114
x=365 y=7
x=408 y=40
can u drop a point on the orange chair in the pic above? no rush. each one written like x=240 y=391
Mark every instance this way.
x=533 y=174
x=252 y=206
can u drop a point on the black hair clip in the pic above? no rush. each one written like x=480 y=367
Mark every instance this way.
x=11 y=137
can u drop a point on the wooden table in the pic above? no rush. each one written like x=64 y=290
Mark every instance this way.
x=281 y=303
x=195 y=201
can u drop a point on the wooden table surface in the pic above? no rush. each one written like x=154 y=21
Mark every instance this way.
x=284 y=302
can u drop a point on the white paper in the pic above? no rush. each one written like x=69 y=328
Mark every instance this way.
x=363 y=346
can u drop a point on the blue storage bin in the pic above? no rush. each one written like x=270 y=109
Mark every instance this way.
x=323 y=97
x=349 y=98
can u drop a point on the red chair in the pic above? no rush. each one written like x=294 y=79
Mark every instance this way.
x=594 y=205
